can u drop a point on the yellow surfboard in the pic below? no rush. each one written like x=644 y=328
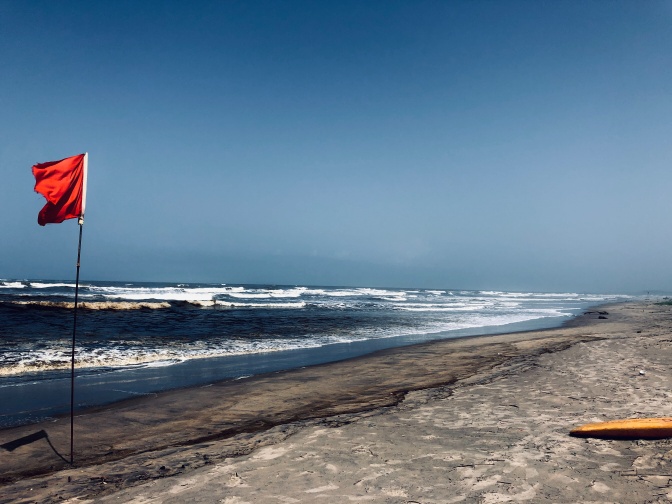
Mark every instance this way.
x=630 y=428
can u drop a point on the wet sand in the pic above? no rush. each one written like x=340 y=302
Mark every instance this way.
x=473 y=420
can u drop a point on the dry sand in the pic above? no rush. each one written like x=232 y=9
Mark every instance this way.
x=475 y=420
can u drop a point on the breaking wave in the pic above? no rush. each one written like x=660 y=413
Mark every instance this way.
x=131 y=325
x=149 y=305
x=95 y=305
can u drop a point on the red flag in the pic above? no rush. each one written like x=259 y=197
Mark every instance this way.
x=63 y=183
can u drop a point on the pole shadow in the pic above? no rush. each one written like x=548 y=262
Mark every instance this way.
x=31 y=438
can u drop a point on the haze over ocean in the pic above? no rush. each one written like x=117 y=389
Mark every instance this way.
x=517 y=146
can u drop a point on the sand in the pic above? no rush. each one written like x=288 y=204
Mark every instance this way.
x=474 y=420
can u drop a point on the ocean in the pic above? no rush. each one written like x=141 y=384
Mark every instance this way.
x=135 y=338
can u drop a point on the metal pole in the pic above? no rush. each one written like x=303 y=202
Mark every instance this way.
x=72 y=366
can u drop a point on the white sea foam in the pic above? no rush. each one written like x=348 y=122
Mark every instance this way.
x=163 y=293
x=333 y=293
x=229 y=304
x=11 y=285
x=433 y=307
x=129 y=355
x=533 y=295
x=250 y=295
x=164 y=363
x=380 y=293
x=298 y=304
x=198 y=294
x=42 y=285
x=292 y=293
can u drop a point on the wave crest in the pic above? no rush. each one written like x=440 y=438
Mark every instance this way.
x=96 y=305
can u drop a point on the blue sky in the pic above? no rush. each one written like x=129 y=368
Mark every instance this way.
x=521 y=145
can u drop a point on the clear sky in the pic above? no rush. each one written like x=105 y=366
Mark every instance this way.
x=517 y=145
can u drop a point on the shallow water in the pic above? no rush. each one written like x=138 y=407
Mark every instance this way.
x=141 y=338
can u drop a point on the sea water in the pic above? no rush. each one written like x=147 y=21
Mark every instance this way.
x=141 y=338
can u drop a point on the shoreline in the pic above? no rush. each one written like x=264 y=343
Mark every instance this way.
x=41 y=399
x=175 y=433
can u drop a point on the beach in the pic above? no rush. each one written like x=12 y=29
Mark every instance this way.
x=479 y=419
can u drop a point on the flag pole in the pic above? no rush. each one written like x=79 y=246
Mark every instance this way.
x=80 y=221
x=63 y=184
x=72 y=362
